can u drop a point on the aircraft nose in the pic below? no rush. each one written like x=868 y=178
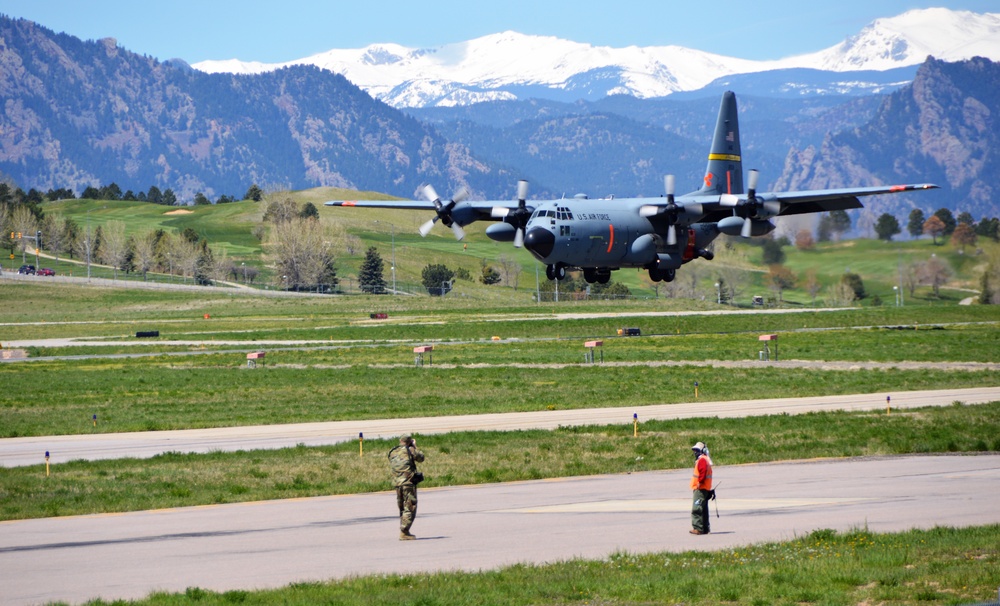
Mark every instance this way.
x=540 y=242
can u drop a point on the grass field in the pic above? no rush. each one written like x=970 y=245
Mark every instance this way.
x=229 y=227
x=350 y=367
x=337 y=364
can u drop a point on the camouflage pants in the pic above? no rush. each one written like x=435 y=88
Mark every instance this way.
x=406 y=498
x=699 y=511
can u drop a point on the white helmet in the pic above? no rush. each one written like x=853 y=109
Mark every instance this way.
x=698 y=446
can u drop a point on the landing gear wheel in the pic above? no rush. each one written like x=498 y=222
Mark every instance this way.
x=560 y=272
x=669 y=275
x=590 y=275
x=550 y=272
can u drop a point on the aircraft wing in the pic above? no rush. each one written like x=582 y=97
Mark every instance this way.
x=403 y=204
x=457 y=213
x=800 y=202
x=463 y=212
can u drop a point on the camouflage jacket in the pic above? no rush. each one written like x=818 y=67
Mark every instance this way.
x=403 y=463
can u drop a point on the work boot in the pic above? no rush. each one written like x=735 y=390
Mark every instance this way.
x=404 y=535
x=696 y=531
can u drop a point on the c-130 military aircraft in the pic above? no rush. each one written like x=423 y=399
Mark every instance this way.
x=657 y=234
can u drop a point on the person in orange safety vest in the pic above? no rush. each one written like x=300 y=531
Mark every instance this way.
x=701 y=484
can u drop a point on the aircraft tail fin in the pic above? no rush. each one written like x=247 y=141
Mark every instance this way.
x=724 y=174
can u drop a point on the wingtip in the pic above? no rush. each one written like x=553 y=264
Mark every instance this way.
x=340 y=203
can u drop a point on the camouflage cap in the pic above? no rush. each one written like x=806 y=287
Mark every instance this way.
x=405 y=438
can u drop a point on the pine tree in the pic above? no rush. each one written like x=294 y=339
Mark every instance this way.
x=370 y=275
x=886 y=227
x=254 y=193
x=915 y=225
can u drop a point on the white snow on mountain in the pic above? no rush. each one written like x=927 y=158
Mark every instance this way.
x=511 y=65
x=909 y=38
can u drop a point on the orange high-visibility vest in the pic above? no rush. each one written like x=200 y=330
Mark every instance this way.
x=701 y=479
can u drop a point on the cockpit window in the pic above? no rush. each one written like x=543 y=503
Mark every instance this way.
x=564 y=214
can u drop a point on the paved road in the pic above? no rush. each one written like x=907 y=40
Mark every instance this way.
x=272 y=544
x=30 y=451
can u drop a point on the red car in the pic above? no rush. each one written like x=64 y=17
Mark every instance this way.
x=45 y=271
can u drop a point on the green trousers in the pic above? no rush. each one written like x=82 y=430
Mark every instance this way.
x=406 y=498
x=699 y=511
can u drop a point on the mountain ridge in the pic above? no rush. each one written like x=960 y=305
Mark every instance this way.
x=89 y=113
x=507 y=65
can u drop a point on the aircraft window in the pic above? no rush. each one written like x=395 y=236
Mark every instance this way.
x=550 y=213
x=563 y=213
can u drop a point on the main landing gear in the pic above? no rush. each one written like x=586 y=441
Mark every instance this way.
x=555 y=272
x=665 y=275
x=600 y=275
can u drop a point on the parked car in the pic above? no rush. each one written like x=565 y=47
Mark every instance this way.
x=28 y=270
x=45 y=271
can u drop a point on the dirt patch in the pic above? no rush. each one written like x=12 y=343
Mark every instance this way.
x=179 y=211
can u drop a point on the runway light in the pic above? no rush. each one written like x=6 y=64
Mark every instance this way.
x=361 y=444
x=46 y=463
x=635 y=425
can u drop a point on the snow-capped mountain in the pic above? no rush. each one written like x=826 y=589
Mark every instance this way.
x=510 y=65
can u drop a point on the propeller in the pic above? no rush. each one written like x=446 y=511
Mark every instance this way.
x=670 y=210
x=752 y=203
x=443 y=210
x=517 y=217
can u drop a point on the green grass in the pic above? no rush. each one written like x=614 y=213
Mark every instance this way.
x=47 y=398
x=229 y=227
x=179 y=480
x=356 y=368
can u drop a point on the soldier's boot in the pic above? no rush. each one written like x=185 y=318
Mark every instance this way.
x=404 y=535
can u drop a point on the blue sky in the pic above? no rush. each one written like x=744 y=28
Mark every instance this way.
x=274 y=31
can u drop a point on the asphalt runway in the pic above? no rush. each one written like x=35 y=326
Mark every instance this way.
x=31 y=451
x=274 y=543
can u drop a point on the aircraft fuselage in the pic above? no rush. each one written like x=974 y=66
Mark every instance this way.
x=609 y=234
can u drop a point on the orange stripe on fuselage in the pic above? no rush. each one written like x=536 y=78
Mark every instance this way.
x=611 y=241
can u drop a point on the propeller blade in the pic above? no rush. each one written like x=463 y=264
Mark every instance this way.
x=773 y=207
x=460 y=195
x=428 y=192
x=499 y=212
x=668 y=185
x=752 y=181
x=747 y=226
x=522 y=190
x=728 y=200
x=459 y=232
x=519 y=238
x=427 y=227
x=649 y=210
x=672 y=235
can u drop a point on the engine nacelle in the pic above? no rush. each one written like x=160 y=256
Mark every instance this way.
x=734 y=226
x=643 y=249
x=501 y=232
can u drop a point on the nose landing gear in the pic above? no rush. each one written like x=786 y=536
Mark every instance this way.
x=555 y=272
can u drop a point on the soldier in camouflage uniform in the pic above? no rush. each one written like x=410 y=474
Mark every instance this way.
x=403 y=461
